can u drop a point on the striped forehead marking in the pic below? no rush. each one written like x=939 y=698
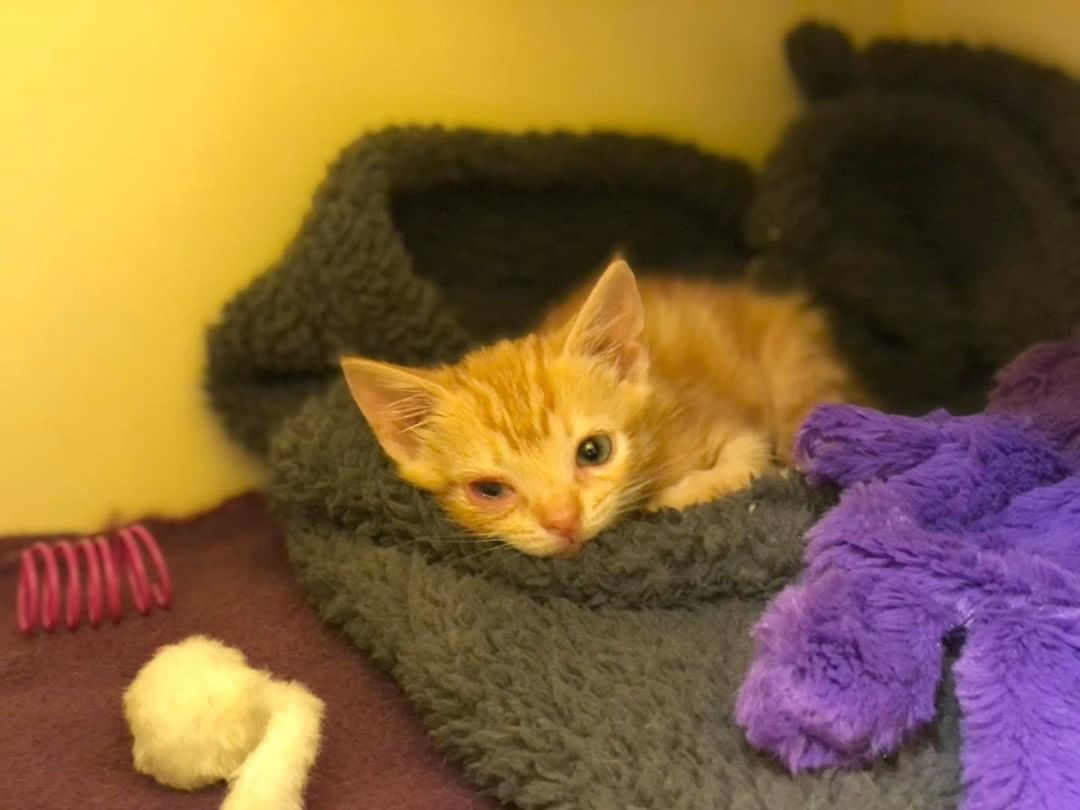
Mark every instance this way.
x=512 y=392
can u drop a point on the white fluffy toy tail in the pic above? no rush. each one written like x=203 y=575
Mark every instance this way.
x=199 y=714
x=274 y=773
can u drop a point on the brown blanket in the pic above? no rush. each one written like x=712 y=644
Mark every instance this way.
x=64 y=744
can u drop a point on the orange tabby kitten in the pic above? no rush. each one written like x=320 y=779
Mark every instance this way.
x=661 y=394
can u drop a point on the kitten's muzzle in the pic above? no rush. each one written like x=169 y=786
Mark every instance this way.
x=564 y=521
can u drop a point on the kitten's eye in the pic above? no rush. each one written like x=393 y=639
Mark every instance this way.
x=594 y=450
x=489 y=490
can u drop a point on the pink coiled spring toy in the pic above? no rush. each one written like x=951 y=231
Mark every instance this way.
x=38 y=596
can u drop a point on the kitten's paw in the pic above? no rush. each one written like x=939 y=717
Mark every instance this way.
x=742 y=458
x=700 y=486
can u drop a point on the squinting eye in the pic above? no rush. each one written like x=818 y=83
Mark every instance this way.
x=594 y=450
x=489 y=490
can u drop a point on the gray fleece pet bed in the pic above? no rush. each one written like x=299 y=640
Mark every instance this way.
x=608 y=681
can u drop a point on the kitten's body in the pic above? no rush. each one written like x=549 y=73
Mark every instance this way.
x=693 y=386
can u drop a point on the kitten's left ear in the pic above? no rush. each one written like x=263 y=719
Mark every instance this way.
x=610 y=323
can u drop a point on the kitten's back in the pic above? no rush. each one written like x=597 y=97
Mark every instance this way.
x=728 y=352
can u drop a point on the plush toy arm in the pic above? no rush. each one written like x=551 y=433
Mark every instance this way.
x=1018 y=682
x=847 y=444
x=846 y=667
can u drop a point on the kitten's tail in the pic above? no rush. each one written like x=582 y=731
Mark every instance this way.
x=273 y=775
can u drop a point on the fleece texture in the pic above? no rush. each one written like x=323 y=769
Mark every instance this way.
x=929 y=198
x=609 y=681
x=948 y=527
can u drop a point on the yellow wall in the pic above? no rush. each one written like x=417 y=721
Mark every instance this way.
x=1039 y=29
x=156 y=154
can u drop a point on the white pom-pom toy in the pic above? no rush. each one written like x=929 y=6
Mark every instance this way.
x=199 y=714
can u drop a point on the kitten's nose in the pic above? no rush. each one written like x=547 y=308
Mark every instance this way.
x=563 y=519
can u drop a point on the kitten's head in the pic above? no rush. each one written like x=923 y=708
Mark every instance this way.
x=536 y=441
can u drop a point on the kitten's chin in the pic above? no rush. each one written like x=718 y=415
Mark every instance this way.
x=570 y=550
x=551 y=545
x=557 y=547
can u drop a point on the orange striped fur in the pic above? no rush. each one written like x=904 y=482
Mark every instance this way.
x=696 y=387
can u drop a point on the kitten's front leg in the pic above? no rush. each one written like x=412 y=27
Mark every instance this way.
x=741 y=459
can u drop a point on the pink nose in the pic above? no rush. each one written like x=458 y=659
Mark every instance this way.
x=564 y=521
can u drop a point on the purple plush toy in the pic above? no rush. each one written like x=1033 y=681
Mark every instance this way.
x=945 y=523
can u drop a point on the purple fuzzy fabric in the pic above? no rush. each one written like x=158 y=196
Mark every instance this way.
x=945 y=524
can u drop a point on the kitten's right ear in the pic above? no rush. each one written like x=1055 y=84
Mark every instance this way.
x=395 y=400
x=610 y=323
